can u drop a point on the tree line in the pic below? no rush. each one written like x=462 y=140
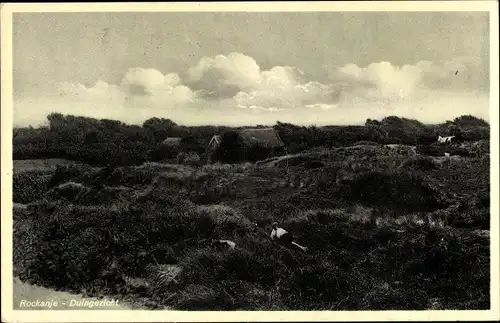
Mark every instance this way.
x=111 y=142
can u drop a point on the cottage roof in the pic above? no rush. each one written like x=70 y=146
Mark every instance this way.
x=215 y=138
x=263 y=136
x=172 y=141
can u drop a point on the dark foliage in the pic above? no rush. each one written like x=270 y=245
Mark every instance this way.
x=421 y=163
x=231 y=149
x=29 y=186
x=103 y=142
x=97 y=228
x=400 y=190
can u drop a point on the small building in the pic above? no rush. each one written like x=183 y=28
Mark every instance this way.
x=211 y=147
x=265 y=137
x=172 y=142
x=214 y=143
x=170 y=147
x=259 y=143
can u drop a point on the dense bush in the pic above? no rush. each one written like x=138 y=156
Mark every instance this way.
x=24 y=240
x=431 y=150
x=420 y=163
x=77 y=173
x=469 y=121
x=29 y=186
x=69 y=191
x=171 y=245
x=157 y=218
x=103 y=142
x=400 y=190
x=365 y=142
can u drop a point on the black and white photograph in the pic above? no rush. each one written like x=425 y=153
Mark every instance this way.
x=237 y=158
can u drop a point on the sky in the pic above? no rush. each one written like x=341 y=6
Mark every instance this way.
x=251 y=68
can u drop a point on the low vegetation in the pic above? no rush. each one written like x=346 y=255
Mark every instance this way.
x=386 y=229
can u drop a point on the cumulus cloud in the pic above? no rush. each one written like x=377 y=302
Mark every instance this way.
x=224 y=76
x=383 y=80
x=143 y=81
x=160 y=88
x=289 y=95
x=233 y=89
x=239 y=77
x=137 y=85
x=100 y=93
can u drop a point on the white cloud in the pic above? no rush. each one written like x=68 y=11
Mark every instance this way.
x=240 y=77
x=235 y=69
x=445 y=69
x=100 y=91
x=143 y=81
x=383 y=80
x=387 y=80
x=322 y=106
x=160 y=88
x=233 y=89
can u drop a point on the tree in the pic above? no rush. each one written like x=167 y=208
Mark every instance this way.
x=56 y=120
x=159 y=128
x=370 y=122
x=470 y=121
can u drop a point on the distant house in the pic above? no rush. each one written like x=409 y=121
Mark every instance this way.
x=259 y=143
x=445 y=139
x=211 y=147
x=172 y=142
x=214 y=143
x=265 y=137
x=170 y=147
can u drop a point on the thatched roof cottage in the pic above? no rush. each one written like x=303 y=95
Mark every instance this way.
x=170 y=147
x=172 y=142
x=266 y=137
x=266 y=140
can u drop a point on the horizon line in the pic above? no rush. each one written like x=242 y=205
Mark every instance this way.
x=46 y=123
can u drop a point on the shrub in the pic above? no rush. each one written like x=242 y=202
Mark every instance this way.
x=66 y=173
x=111 y=196
x=24 y=242
x=431 y=150
x=91 y=230
x=366 y=143
x=400 y=190
x=69 y=191
x=29 y=186
x=198 y=297
x=420 y=163
x=458 y=151
x=72 y=241
x=163 y=278
x=472 y=218
x=208 y=266
x=470 y=121
x=192 y=159
x=476 y=134
x=169 y=246
x=227 y=222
